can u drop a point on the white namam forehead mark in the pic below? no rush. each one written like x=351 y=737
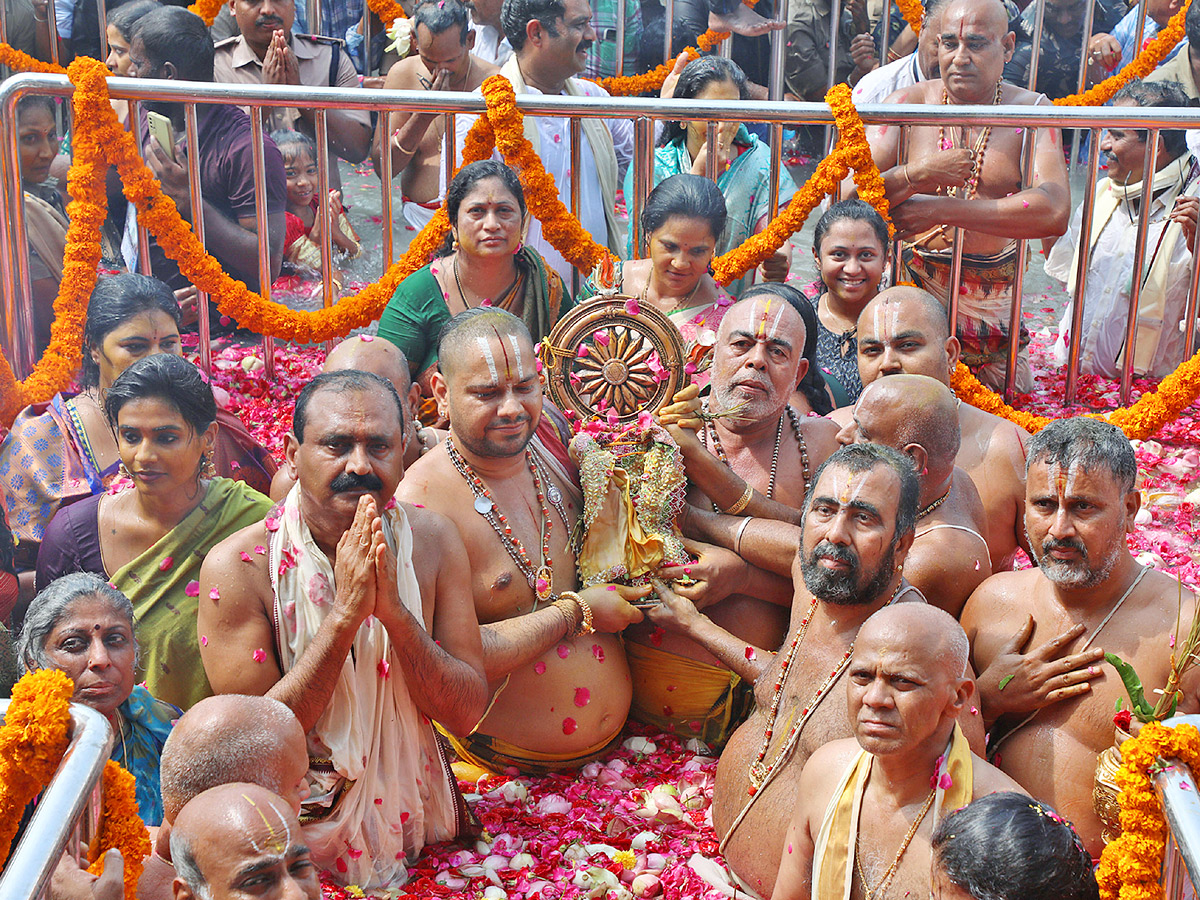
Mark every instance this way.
x=516 y=348
x=277 y=841
x=886 y=319
x=846 y=486
x=485 y=347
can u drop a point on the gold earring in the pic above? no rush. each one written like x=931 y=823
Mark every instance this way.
x=123 y=473
x=207 y=468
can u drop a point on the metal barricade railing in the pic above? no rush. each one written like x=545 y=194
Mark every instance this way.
x=55 y=826
x=1176 y=788
x=643 y=112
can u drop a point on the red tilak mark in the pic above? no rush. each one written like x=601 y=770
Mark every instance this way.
x=504 y=350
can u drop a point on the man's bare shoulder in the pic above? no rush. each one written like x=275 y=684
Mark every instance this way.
x=987 y=779
x=429 y=482
x=921 y=92
x=481 y=70
x=820 y=438
x=1015 y=95
x=239 y=568
x=404 y=75
x=430 y=528
x=823 y=771
x=999 y=433
x=251 y=540
x=1001 y=597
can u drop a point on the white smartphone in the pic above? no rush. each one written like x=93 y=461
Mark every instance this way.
x=163 y=133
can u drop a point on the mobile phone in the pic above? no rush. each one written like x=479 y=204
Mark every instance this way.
x=163 y=133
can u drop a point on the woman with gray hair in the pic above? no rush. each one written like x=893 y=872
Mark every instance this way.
x=83 y=626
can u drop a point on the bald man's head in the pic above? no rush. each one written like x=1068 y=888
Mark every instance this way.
x=909 y=680
x=906 y=410
x=234 y=737
x=234 y=839
x=974 y=43
x=459 y=339
x=376 y=355
x=905 y=330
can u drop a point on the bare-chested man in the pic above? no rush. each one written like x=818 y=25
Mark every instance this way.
x=858 y=528
x=1038 y=636
x=443 y=62
x=904 y=331
x=356 y=612
x=918 y=416
x=381 y=357
x=970 y=177
x=757 y=462
x=949 y=556
x=560 y=693
x=909 y=763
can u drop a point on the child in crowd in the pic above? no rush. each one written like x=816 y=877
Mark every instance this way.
x=302 y=239
x=1007 y=846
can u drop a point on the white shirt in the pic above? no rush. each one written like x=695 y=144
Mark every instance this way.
x=491 y=44
x=878 y=84
x=1109 y=282
x=556 y=157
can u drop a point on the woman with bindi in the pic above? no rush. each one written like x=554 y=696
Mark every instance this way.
x=149 y=534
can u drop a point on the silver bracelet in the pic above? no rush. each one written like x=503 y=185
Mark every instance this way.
x=737 y=535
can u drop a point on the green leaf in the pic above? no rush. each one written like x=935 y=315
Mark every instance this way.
x=1133 y=687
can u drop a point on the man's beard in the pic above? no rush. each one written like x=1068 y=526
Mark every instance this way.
x=760 y=408
x=841 y=588
x=1078 y=573
x=486 y=448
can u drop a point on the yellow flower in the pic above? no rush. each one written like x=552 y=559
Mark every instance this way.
x=625 y=858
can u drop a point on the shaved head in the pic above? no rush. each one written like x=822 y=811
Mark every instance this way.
x=924 y=630
x=239 y=835
x=912 y=409
x=989 y=12
x=913 y=305
x=460 y=337
x=228 y=738
x=376 y=355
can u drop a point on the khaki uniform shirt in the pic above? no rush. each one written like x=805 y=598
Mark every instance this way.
x=1179 y=70
x=235 y=63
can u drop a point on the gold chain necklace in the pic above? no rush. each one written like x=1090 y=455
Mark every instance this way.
x=877 y=891
x=679 y=302
x=935 y=504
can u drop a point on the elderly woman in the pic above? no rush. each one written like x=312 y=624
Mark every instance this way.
x=483 y=263
x=149 y=535
x=82 y=626
x=61 y=451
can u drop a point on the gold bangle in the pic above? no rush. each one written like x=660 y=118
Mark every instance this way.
x=742 y=502
x=907 y=179
x=399 y=146
x=585 y=625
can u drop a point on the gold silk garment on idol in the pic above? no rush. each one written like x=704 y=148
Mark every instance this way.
x=633 y=487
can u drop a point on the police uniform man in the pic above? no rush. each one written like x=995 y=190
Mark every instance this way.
x=266 y=52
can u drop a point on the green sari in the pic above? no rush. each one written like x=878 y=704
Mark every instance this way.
x=163 y=583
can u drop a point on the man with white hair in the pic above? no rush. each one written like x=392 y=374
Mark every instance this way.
x=907 y=764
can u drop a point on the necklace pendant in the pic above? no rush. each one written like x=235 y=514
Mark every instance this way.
x=543 y=583
x=553 y=492
x=758 y=774
x=483 y=505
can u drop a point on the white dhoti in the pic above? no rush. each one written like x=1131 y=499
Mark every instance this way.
x=381 y=787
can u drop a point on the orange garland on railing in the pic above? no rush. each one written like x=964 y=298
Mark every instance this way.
x=85 y=181
x=206 y=10
x=913 y=12
x=1153 y=53
x=387 y=10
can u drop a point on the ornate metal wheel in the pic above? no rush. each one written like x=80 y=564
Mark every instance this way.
x=600 y=358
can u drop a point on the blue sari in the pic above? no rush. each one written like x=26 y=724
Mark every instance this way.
x=143 y=724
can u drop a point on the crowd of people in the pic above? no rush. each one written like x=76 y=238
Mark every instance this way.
x=302 y=658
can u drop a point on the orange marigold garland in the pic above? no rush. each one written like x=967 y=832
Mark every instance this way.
x=85 y=181
x=1153 y=53
x=207 y=10
x=20 y=61
x=559 y=227
x=1131 y=865
x=121 y=827
x=852 y=153
x=387 y=10
x=32 y=742
x=913 y=12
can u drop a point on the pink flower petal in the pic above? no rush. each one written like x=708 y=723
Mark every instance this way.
x=192 y=589
x=166 y=563
x=259 y=655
